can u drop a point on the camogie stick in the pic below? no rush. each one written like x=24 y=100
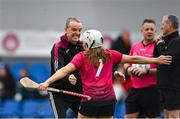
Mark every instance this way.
x=28 y=83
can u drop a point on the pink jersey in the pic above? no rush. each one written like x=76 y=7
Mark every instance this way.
x=97 y=81
x=147 y=80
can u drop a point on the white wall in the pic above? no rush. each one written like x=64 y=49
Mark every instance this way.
x=105 y=15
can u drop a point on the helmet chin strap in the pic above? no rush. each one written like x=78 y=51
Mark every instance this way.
x=92 y=44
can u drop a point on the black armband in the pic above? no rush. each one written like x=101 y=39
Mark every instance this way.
x=148 y=71
x=126 y=71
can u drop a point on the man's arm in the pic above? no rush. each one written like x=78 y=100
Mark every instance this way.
x=52 y=61
x=139 y=71
x=160 y=45
x=62 y=63
x=161 y=48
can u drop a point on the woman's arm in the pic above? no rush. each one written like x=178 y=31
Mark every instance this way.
x=146 y=60
x=58 y=75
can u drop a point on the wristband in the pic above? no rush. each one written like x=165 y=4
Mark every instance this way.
x=147 y=71
x=126 y=71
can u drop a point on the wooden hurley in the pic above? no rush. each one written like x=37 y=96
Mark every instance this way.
x=28 y=83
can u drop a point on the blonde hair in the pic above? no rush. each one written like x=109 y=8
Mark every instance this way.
x=94 y=54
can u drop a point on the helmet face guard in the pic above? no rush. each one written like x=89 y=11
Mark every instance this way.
x=91 y=39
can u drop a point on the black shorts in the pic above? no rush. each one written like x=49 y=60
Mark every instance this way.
x=146 y=101
x=61 y=105
x=98 y=109
x=170 y=99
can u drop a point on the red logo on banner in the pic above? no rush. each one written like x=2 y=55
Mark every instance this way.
x=108 y=38
x=10 y=42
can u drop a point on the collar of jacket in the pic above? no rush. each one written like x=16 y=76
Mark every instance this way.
x=64 y=39
x=171 y=36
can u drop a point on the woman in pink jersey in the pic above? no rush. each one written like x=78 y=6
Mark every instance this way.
x=95 y=65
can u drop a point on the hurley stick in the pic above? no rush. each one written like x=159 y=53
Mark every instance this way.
x=28 y=83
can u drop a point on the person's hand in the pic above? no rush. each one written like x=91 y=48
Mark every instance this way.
x=159 y=39
x=129 y=71
x=165 y=59
x=43 y=86
x=119 y=76
x=139 y=71
x=72 y=79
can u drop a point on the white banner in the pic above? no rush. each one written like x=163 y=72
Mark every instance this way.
x=27 y=43
x=33 y=43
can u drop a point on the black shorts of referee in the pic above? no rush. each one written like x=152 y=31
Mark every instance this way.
x=145 y=101
x=170 y=99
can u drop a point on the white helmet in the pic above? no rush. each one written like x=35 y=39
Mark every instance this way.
x=91 y=39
